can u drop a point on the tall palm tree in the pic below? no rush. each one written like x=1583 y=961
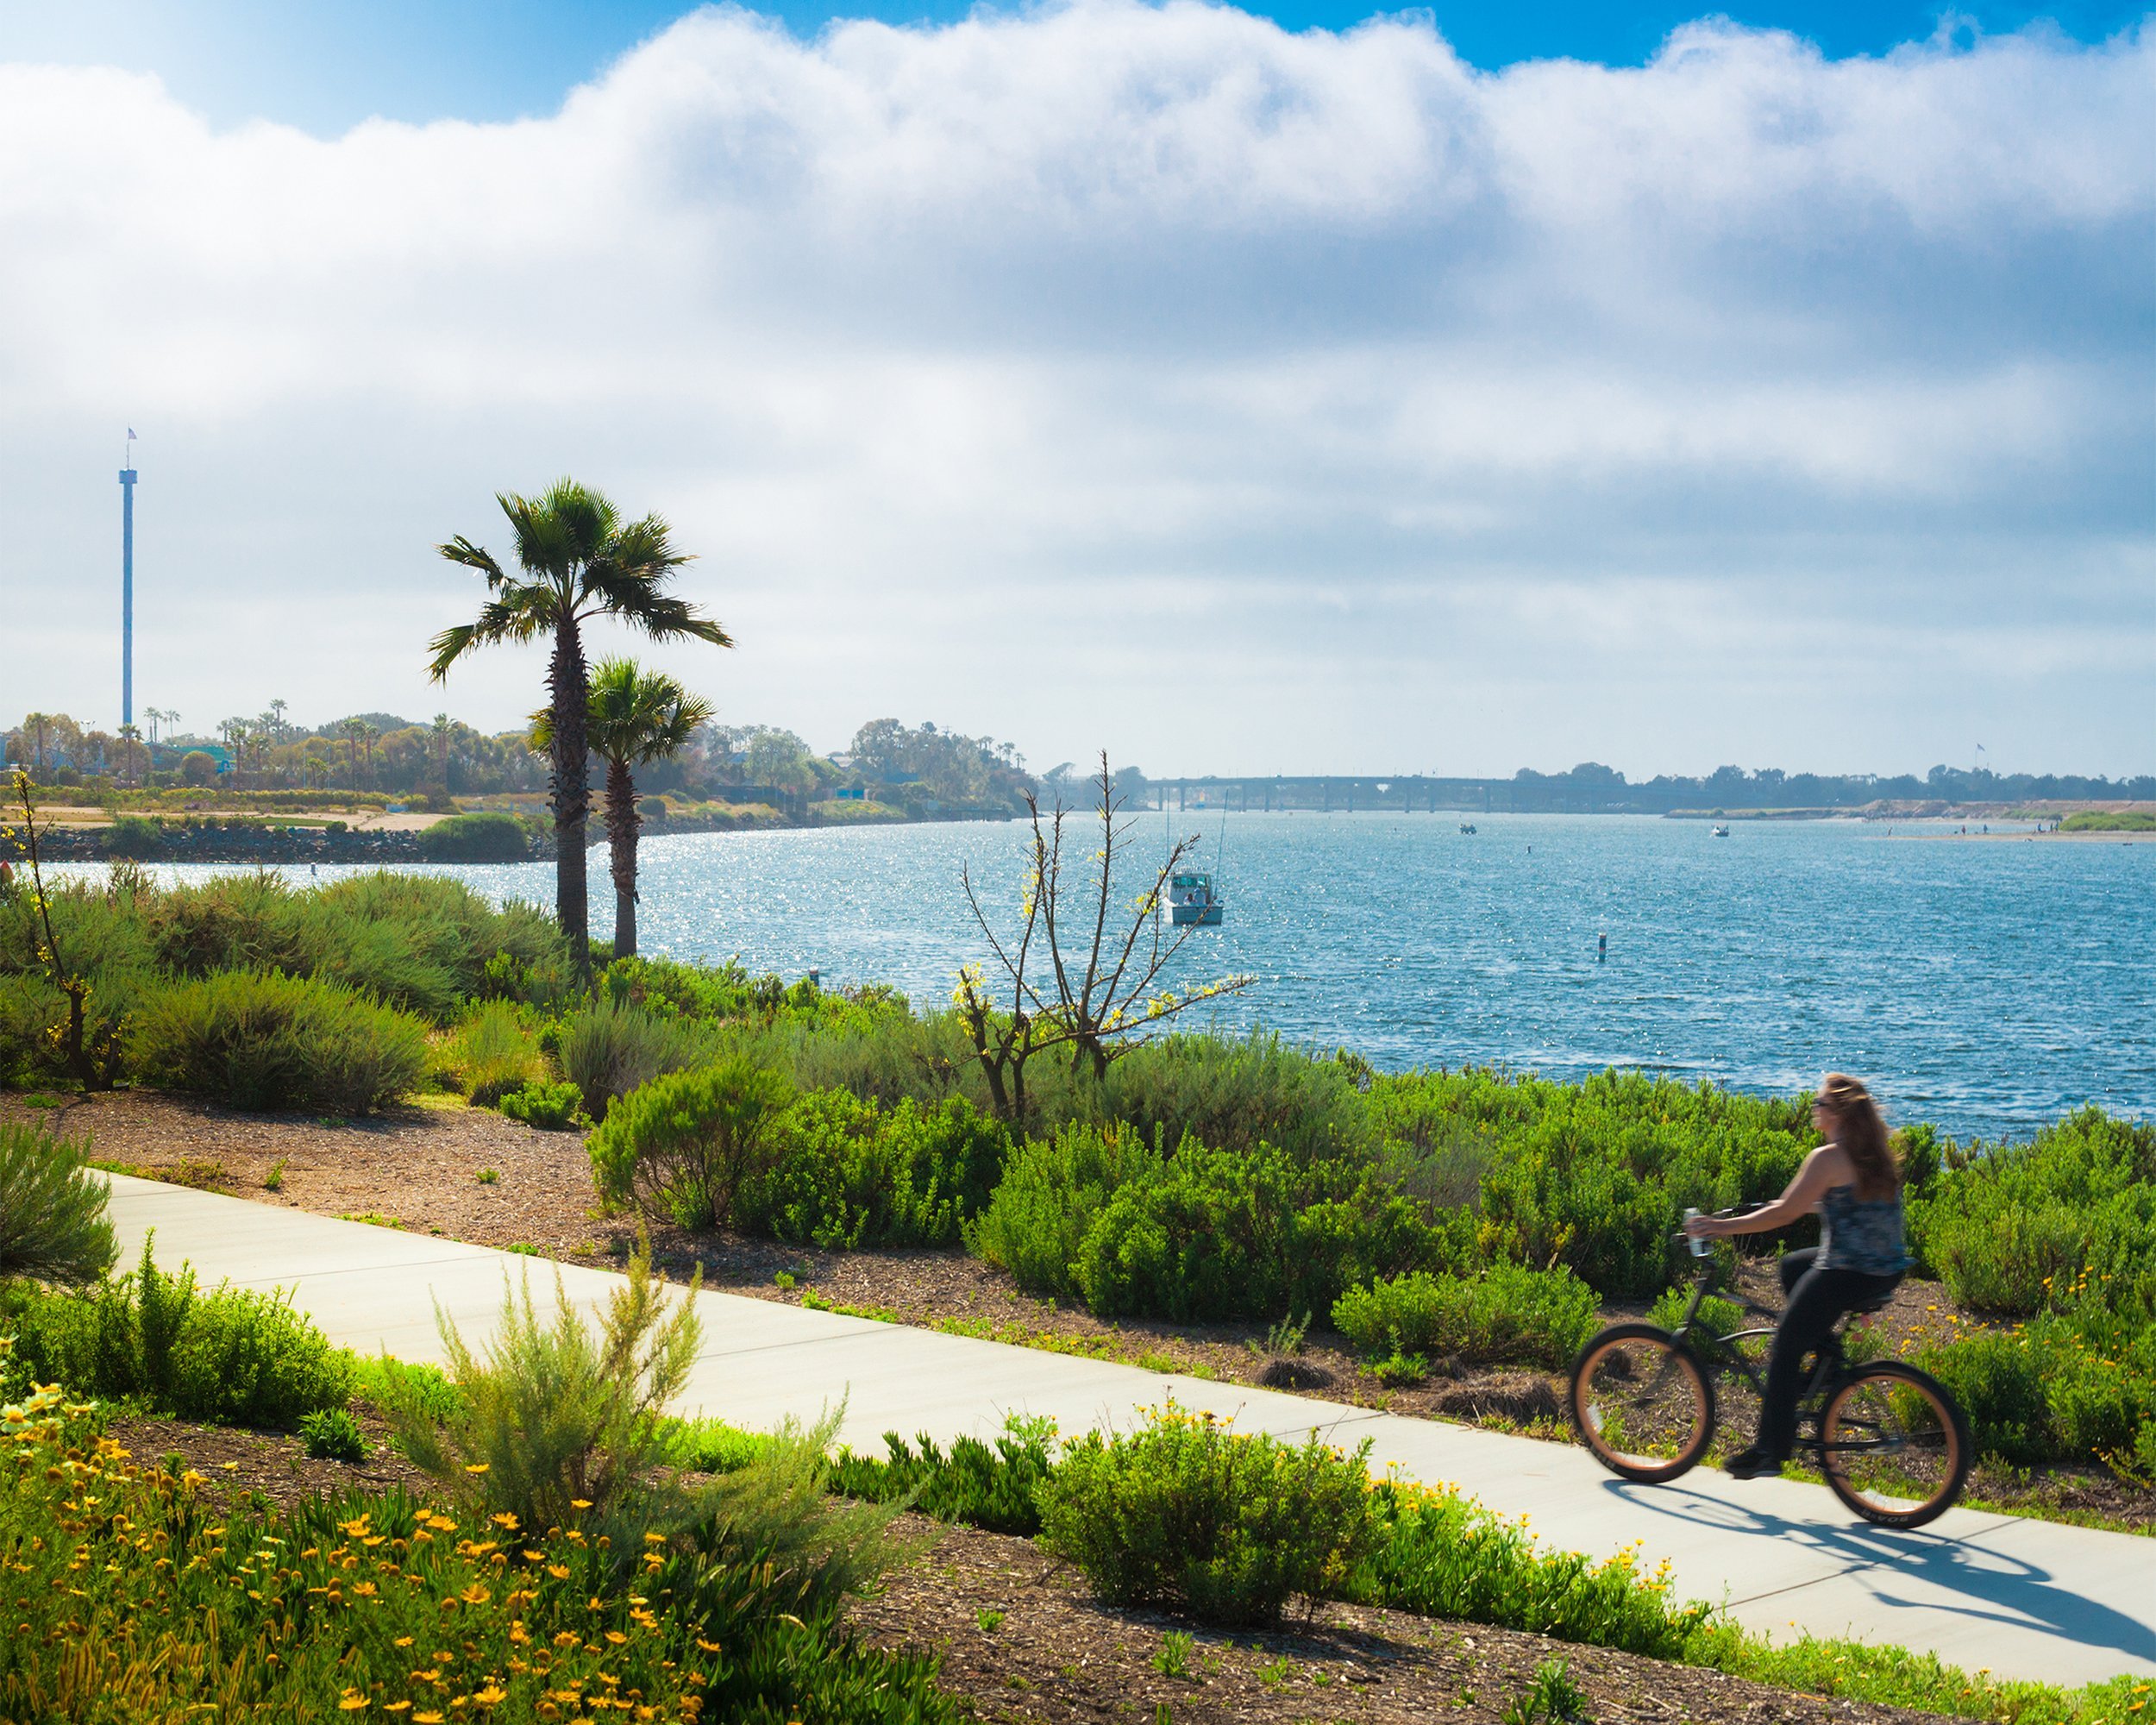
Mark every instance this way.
x=632 y=717
x=443 y=726
x=577 y=559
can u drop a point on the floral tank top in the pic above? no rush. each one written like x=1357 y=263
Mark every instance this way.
x=1862 y=1233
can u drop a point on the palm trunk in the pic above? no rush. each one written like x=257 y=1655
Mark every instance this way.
x=622 y=822
x=569 y=683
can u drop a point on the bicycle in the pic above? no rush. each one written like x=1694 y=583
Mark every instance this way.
x=1890 y=1439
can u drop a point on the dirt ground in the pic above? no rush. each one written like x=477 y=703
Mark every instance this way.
x=1022 y=1639
x=470 y=1174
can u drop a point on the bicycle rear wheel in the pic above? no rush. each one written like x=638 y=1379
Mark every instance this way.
x=1894 y=1445
x=1642 y=1402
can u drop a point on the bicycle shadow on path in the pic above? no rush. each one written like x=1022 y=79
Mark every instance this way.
x=1990 y=1585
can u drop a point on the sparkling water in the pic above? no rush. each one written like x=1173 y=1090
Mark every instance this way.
x=1986 y=984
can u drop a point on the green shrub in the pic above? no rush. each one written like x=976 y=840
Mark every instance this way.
x=489 y=836
x=2068 y=1217
x=332 y=1434
x=608 y=1049
x=1239 y=1094
x=1050 y=1192
x=1202 y=1234
x=550 y=1107
x=232 y=1356
x=1440 y=1555
x=546 y=1416
x=131 y=835
x=1723 y=1317
x=1588 y=1175
x=846 y=1172
x=258 y=1040
x=688 y=1146
x=490 y=1054
x=973 y=1483
x=1507 y=1313
x=1999 y=1382
x=53 y=1224
x=33 y=1015
x=1184 y=1514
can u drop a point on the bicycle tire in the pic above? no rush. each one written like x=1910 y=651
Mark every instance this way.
x=1673 y=1408
x=1913 y=1473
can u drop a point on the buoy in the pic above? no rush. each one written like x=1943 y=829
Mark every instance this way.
x=1602 y=948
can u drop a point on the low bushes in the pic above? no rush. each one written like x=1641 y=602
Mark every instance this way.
x=974 y=1483
x=1182 y=1513
x=611 y=1048
x=1440 y=1555
x=1506 y=1314
x=53 y=1223
x=1588 y=1175
x=847 y=1172
x=2061 y=1389
x=1202 y=1234
x=488 y=836
x=688 y=1146
x=258 y=1041
x=731 y=1144
x=2020 y=1229
x=231 y=1356
x=550 y=1107
x=490 y=1054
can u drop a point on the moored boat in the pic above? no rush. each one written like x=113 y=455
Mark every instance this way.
x=1191 y=900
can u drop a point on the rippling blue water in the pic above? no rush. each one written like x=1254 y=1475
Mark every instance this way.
x=1989 y=985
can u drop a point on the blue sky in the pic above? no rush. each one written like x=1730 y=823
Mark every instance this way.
x=325 y=65
x=1158 y=377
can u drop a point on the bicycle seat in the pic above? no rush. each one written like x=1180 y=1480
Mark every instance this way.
x=1877 y=1303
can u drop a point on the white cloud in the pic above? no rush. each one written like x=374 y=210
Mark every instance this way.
x=1152 y=376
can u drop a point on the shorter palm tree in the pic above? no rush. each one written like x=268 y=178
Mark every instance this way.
x=631 y=716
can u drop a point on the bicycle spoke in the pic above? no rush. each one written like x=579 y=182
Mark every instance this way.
x=1641 y=1406
x=1890 y=1448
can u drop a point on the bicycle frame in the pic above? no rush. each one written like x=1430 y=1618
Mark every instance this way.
x=1718 y=1353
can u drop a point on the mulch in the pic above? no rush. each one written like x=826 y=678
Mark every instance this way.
x=422 y=1167
x=1021 y=1638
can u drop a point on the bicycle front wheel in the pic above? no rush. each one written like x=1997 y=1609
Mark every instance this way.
x=1642 y=1402
x=1894 y=1445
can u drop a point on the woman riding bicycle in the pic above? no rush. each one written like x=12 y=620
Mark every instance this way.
x=1855 y=1182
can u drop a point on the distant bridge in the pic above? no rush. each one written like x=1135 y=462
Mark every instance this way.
x=1405 y=793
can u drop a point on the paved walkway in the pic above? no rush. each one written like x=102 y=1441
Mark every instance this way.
x=2022 y=1598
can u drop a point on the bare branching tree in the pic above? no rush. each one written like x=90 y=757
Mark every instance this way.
x=1083 y=969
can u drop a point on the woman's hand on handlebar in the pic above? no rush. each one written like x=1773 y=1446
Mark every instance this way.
x=1710 y=1227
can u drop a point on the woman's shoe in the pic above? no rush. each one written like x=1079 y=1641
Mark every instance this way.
x=1750 y=1464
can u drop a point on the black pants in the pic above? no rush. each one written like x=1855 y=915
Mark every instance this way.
x=1817 y=1296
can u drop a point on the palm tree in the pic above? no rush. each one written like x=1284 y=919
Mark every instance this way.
x=129 y=734
x=34 y=724
x=577 y=559
x=633 y=716
x=443 y=728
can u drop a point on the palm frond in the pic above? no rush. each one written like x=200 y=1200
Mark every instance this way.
x=463 y=550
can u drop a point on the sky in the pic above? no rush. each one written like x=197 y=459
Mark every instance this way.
x=1239 y=391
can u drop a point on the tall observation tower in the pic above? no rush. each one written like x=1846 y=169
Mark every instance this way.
x=127 y=585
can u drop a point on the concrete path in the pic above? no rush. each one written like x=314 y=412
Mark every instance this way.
x=2020 y=1598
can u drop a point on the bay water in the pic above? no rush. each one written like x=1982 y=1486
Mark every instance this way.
x=1987 y=984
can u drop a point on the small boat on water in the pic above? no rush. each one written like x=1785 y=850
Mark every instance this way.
x=1467 y=826
x=1191 y=900
x=1719 y=832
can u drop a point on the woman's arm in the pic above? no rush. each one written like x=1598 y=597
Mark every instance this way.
x=1800 y=1200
